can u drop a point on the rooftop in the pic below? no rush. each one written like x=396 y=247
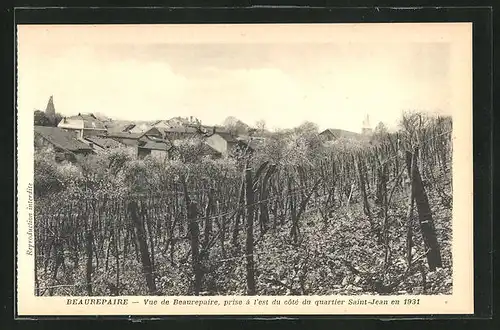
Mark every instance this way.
x=122 y=135
x=61 y=138
x=340 y=133
x=154 y=145
x=181 y=129
x=104 y=142
x=227 y=136
x=89 y=121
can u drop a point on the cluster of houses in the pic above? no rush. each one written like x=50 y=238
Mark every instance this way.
x=85 y=134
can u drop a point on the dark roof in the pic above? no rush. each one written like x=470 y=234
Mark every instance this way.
x=154 y=145
x=227 y=136
x=189 y=130
x=156 y=122
x=104 y=142
x=128 y=127
x=340 y=133
x=122 y=135
x=112 y=128
x=61 y=138
x=128 y=142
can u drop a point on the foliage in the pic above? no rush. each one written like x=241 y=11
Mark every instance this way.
x=41 y=119
x=236 y=126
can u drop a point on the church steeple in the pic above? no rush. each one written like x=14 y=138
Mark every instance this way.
x=366 y=129
x=50 y=110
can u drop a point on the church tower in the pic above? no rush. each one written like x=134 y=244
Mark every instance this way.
x=366 y=129
x=50 y=110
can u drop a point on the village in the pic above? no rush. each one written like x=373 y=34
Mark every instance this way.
x=87 y=133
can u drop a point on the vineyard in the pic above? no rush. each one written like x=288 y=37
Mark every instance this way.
x=297 y=217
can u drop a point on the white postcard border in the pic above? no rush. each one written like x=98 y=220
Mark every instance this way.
x=459 y=35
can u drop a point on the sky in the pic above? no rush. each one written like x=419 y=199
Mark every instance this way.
x=328 y=74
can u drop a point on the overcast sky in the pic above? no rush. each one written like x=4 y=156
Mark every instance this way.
x=333 y=77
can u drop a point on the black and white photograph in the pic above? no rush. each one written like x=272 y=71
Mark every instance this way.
x=169 y=162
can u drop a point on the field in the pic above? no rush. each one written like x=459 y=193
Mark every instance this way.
x=296 y=217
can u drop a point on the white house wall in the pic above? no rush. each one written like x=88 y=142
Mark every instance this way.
x=217 y=143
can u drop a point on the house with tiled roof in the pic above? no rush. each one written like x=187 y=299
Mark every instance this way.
x=125 y=138
x=332 y=134
x=83 y=125
x=65 y=143
x=223 y=142
x=155 y=148
x=173 y=133
x=102 y=143
x=137 y=128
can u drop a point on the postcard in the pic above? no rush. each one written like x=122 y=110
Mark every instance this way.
x=263 y=169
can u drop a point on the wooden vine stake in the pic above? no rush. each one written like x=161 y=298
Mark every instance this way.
x=249 y=232
x=147 y=267
x=424 y=212
x=194 y=235
x=409 y=234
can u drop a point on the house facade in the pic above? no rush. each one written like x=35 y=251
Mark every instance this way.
x=224 y=143
x=83 y=125
x=158 y=150
x=128 y=139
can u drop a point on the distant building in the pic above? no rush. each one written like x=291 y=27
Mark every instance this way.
x=208 y=130
x=127 y=127
x=332 y=134
x=222 y=142
x=156 y=149
x=173 y=133
x=366 y=129
x=65 y=144
x=100 y=143
x=167 y=123
x=177 y=122
x=83 y=125
x=128 y=139
x=137 y=128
